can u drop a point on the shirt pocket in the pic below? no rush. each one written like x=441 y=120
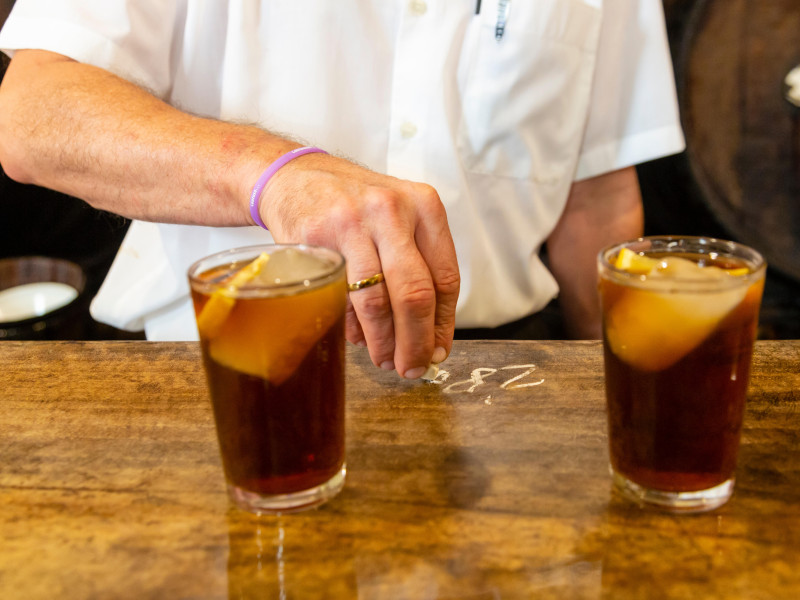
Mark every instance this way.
x=525 y=96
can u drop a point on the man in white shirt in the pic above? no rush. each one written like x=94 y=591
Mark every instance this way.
x=509 y=134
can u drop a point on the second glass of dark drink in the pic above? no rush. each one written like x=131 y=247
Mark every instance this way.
x=679 y=323
x=271 y=324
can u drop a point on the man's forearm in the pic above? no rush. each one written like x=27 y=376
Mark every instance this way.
x=85 y=132
x=600 y=211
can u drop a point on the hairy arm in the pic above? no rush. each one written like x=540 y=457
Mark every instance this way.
x=600 y=211
x=83 y=131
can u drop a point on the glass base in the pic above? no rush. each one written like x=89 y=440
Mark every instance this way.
x=678 y=502
x=287 y=503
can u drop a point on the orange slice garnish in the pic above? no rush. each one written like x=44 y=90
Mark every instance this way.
x=654 y=324
x=652 y=331
x=286 y=330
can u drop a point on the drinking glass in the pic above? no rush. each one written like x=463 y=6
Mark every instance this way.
x=271 y=325
x=680 y=316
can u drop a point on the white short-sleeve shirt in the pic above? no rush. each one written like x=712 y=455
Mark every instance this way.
x=418 y=89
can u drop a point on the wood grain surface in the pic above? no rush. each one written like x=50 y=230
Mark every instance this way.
x=489 y=483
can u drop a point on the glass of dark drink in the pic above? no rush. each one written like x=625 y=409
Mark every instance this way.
x=271 y=324
x=679 y=321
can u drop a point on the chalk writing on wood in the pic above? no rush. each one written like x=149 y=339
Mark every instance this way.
x=510 y=377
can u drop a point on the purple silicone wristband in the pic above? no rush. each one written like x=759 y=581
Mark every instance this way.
x=255 y=195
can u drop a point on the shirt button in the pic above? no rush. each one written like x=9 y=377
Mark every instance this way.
x=418 y=7
x=408 y=130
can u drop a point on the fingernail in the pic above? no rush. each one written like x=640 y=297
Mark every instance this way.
x=361 y=343
x=414 y=373
x=388 y=365
x=439 y=355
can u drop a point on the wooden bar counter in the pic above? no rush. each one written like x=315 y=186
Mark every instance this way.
x=490 y=483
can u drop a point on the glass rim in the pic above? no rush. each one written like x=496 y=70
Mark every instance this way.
x=249 y=290
x=684 y=244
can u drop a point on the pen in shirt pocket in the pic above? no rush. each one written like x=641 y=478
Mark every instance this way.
x=503 y=7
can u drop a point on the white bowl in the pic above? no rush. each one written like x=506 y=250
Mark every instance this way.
x=34 y=300
x=41 y=298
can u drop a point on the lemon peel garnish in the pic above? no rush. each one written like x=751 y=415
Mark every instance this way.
x=222 y=301
x=633 y=262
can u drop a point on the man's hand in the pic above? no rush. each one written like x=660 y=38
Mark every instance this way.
x=380 y=224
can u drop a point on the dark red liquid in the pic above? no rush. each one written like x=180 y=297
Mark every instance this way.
x=678 y=429
x=279 y=439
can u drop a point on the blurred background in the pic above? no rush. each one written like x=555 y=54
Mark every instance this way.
x=738 y=179
x=39 y=222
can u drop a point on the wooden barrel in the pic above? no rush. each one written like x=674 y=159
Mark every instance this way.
x=742 y=133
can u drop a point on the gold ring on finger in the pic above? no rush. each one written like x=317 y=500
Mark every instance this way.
x=365 y=283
